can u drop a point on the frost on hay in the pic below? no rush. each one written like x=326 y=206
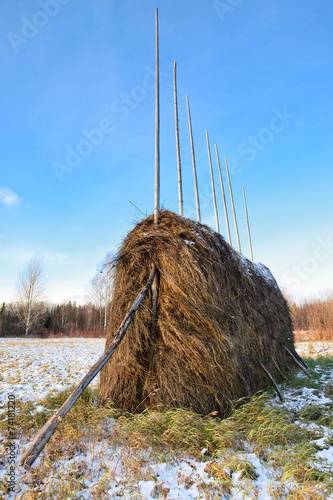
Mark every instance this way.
x=218 y=313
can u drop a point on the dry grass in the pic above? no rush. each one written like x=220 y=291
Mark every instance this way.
x=152 y=436
x=218 y=313
x=317 y=335
x=314 y=317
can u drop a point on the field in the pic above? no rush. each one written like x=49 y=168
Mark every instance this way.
x=264 y=450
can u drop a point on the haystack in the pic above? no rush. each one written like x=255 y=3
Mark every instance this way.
x=218 y=314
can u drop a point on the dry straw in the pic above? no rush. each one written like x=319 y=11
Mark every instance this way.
x=219 y=315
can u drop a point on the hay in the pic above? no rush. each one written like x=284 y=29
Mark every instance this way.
x=218 y=312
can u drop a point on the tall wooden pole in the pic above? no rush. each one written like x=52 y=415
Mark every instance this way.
x=157 y=128
x=155 y=285
x=223 y=196
x=193 y=162
x=233 y=207
x=179 y=168
x=248 y=225
x=213 y=184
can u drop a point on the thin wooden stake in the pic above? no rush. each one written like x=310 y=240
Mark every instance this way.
x=47 y=431
x=157 y=128
x=297 y=356
x=179 y=168
x=288 y=368
x=223 y=196
x=154 y=302
x=248 y=388
x=271 y=379
x=193 y=162
x=248 y=225
x=279 y=369
x=301 y=367
x=233 y=207
x=301 y=360
x=213 y=184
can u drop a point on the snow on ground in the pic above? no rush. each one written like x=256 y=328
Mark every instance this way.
x=315 y=349
x=31 y=368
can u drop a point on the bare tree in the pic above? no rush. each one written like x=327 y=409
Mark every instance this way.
x=107 y=270
x=31 y=289
x=96 y=293
x=99 y=289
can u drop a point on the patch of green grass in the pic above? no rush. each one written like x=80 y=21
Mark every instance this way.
x=299 y=381
x=254 y=422
x=329 y=440
x=320 y=414
x=327 y=418
x=296 y=467
x=237 y=463
x=86 y=421
x=178 y=429
x=312 y=412
x=323 y=362
x=316 y=368
x=54 y=400
x=265 y=426
x=26 y=418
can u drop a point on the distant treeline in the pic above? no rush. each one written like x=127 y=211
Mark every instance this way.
x=69 y=319
x=314 y=316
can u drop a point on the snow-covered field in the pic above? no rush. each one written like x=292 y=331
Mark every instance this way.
x=31 y=368
x=315 y=349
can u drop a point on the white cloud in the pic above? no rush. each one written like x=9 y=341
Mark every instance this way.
x=8 y=197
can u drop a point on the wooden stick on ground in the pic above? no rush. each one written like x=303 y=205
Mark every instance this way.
x=193 y=162
x=46 y=432
x=279 y=369
x=179 y=167
x=298 y=363
x=271 y=379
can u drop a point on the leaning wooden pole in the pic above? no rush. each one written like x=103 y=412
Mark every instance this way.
x=179 y=168
x=233 y=207
x=193 y=162
x=223 y=196
x=271 y=379
x=301 y=360
x=248 y=225
x=157 y=128
x=297 y=362
x=213 y=184
x=47 y=431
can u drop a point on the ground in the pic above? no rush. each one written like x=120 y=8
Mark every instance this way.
x=264 y=450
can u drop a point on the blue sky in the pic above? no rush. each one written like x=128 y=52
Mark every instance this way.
x=77 y=129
